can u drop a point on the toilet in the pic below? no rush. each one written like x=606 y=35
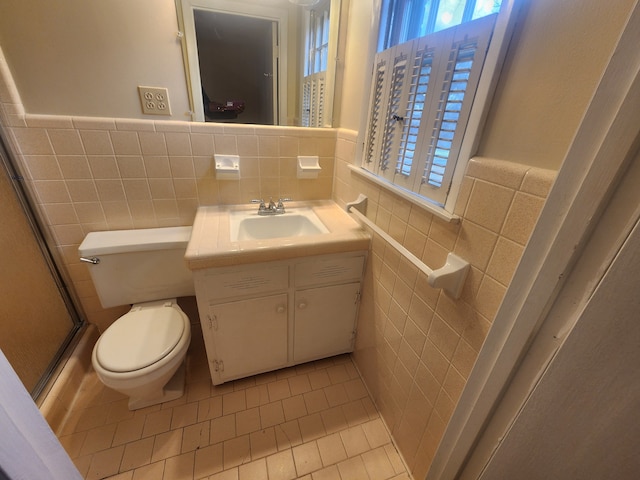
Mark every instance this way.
x=142 y=354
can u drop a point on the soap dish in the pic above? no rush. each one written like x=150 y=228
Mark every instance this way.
x=227 y=167
x=308 y=167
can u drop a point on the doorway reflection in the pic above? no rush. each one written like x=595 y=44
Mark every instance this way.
x=237 y=56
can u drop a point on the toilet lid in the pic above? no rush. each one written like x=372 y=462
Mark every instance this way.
x=139 y=339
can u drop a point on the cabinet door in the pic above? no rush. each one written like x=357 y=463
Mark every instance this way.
x=250 y=336
x=325 y=321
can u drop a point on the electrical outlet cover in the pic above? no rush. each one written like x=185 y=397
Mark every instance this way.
x=154 y=100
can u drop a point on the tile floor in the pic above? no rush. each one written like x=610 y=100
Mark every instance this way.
x=313 y=422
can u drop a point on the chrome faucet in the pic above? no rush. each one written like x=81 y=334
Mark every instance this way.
x=272 y=208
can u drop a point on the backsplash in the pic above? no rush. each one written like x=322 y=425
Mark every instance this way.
x=108 y=174
x=416 y=346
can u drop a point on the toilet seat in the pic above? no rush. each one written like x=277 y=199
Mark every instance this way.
x=140 y=338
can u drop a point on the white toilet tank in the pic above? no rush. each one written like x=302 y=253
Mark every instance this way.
x=137 y=266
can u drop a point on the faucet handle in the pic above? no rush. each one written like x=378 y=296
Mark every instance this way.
x=280 y=206
x=262 y=207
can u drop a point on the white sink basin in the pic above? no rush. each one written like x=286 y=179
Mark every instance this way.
x=294 y=223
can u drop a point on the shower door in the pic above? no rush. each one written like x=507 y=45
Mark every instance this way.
x=37 y=319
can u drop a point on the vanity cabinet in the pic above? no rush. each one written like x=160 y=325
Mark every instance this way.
x=324 y=321
x=261 y=317
x=249 y=335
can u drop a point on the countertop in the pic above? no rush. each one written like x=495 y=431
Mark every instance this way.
x=210 y=244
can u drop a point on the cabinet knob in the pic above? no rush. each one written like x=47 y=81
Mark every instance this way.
x=280 y=309
x=302 y=305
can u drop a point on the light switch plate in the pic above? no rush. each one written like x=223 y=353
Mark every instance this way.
x=154 y=100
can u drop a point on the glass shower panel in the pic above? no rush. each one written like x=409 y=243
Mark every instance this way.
x=36 y=320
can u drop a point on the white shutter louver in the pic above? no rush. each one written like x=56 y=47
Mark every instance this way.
x=462 y=62
x=376 y=111
x=306 y=103
x=448 y=114
x=416 y=102
x=313 y=92
x=320 y=100
x=392 y=116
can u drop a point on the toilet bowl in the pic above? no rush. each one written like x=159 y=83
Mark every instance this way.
x=141 y=352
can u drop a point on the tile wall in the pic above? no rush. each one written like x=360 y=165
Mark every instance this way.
x=89 y=174
x=416 y=346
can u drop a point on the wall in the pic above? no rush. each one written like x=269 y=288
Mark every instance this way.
x=88 y=58
x=416 y=346
x=552 y=68
x=554 y=64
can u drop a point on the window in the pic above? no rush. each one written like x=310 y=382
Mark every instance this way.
x=317 y=41
x=403 y=20
x=425 y=76
x=315 y=67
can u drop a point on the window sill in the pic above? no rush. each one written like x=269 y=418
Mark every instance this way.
x=421 y=202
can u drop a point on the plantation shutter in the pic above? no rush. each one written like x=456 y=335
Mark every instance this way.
x=460 y=68
x=313 y=93
x=393 y=115
x=421 y=98
x=319 y=99
x=418 y=93
x=305 y=120
x=386 y=109
x=376 y=111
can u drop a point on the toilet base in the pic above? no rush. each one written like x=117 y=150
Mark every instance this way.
x=173 y=390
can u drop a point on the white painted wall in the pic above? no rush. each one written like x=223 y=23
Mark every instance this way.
x=87 y=58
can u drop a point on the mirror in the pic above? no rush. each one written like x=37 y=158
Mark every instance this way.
x=268 y=62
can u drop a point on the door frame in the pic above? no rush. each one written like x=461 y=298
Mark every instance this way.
x=186 y=24
x=598 y=157
x=565 y=391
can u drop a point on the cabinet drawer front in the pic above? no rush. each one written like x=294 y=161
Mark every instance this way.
x=328 y=270
x=244 y=282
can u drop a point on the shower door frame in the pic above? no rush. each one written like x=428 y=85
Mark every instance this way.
x=8 y=166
